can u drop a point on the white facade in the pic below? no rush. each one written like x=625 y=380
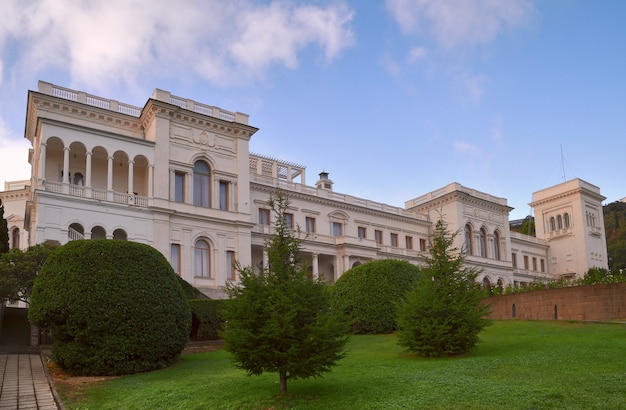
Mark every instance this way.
x=14 y=198
x=178 y=175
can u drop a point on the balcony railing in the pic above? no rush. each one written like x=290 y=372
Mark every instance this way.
x=97 y=194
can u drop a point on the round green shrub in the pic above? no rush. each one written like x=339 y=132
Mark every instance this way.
x=114 y=307
x=366 y=294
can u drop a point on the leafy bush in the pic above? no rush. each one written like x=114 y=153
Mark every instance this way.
x=114 y=307
x=190 y=291
x=366 y=294
x=206 y=321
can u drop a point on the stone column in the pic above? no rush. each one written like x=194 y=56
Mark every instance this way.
x=110 y=178
x=42 y=162
x=315 y=266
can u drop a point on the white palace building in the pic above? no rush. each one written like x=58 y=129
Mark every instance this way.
x=178 y=175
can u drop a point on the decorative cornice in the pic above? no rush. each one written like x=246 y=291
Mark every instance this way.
x=85 y=111
x=208 y=123
x=338 y=204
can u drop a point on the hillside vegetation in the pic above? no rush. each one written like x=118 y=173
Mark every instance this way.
x=615 y=225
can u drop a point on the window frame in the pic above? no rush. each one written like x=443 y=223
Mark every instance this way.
x=310 y=223
x=201 y=185
x=202 y=259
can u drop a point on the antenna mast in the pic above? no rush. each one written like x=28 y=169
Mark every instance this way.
x=562 y=163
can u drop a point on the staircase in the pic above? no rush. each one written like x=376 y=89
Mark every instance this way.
x=15 y=332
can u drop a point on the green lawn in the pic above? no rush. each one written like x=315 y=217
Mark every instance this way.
x=519 y=365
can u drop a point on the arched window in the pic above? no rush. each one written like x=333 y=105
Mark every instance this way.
x=78 y=179
x=201 y=184
x=559 y=222
x=552 y=224
x=469 y=244
x=98 y=232
x=75 y=232
x=566 y=220
x=496 y=245
x=120 y=235
x=483 y=242
x=15 y=238
x=486 y=283
x=202 y=260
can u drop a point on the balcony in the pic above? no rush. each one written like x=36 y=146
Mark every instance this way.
x=97 y=194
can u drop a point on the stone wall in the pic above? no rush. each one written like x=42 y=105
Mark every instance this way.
x=592 y=302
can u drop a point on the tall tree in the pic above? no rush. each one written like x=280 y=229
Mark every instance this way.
x=4 y=231
x=442 y=314
x=18 y=270
x=280 y=320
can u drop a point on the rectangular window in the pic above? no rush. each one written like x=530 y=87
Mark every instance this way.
x=337 y=229
x=230 y=266
x=310 y=224
x=264 y=216
x=175 y=257
x=394 y=239
x=535 y=264
x=362 y=232
x=224 y=195
x=409 y=242
x=288 y=219
x=514 y=259
x=422 y=245
x=378 y=236
x=179 y=186
x=526 y=262
x=543 y=265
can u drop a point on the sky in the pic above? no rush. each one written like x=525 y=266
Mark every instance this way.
x=393 y=98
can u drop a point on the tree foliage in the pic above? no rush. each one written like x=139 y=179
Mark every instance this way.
x=615 y=225
x=366 y=294
x=114 y=307
x=280 y=320
x=443 y=314
x=4 y=231
x=18 y=270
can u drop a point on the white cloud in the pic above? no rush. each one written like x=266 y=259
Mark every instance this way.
x=417 y=53
x=460 y=22
x=119 y=41
x=13 y=157
x=462 y=147
x=472 y=86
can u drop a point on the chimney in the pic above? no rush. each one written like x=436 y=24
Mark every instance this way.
x=324 y=182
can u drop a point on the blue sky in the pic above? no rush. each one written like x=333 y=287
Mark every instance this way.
x=393 y=98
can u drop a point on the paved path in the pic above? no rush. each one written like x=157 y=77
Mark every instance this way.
x=24 y=383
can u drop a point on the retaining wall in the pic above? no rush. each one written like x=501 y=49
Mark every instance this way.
x=591 y=302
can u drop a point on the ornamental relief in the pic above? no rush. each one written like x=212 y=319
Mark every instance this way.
x=203 y=138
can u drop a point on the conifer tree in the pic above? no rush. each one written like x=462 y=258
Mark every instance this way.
x=280 y=320
x=443 y=314
x=4 y=231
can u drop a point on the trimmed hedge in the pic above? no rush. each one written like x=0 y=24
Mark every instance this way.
x=114 y=307
x=367 y=294
x=206 y=318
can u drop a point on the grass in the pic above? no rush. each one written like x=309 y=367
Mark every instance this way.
x=519 y=365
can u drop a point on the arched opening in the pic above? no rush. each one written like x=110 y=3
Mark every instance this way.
x=202 y=259
x=486 y=283
x=75 y=232
x=483 y=242
x=469 y=243
x=15 y=238
x=120 y=235
x=201 y=184
x=496 y=245
x=98 y=232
